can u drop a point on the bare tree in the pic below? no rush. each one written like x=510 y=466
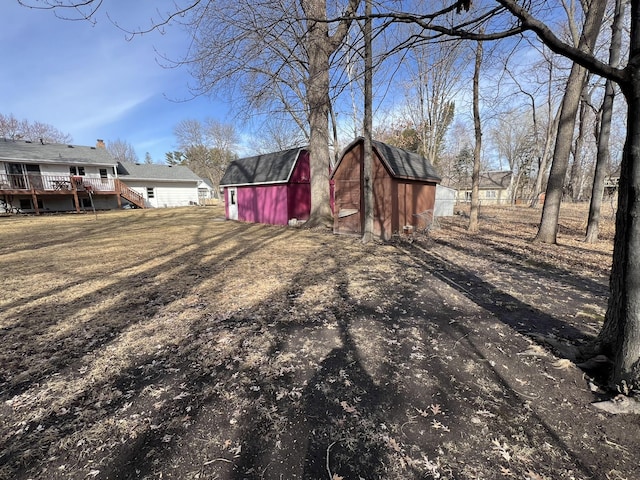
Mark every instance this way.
x=367 y=171
x=477 y=150
x=122 y=151
x=606 y=113
x=13 y=129
x=277 y=133
x=515 y=140
x=620 y=335
x=435 y=71
x=10 y=127
x=548 y=230
x=320 y=44
x=205 y=147
x=37 y=131
x=276 y=56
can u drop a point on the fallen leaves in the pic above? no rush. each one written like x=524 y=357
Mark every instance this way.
x=563 y=364
x=502 y=449
x=619 y=405
x=534 y=351
x=348 y=408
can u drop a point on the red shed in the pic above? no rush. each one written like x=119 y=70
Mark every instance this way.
x=404 y=186
x=271 y=188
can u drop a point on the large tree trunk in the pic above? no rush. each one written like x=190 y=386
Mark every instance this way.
x=320 y=45
x=620 y=335
x=367 y=184
x=318 y=97
x=475 y=177
x=597 y=191
x=548 y=229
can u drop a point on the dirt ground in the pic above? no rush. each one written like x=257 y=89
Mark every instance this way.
x=171 y=344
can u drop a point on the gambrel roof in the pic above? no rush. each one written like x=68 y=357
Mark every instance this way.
x=400 y=163
x=269 y=168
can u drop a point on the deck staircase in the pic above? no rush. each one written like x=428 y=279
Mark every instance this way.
x=129 y=194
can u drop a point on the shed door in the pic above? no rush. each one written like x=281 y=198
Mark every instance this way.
x=232 y=200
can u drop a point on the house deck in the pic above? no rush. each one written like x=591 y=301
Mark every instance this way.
x=36 y=186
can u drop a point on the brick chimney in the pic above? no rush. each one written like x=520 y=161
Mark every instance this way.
x=100 y=143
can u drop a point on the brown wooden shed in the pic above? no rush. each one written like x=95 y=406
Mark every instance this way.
x=404 y=188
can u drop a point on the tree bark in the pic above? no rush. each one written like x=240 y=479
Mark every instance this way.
x=620 y=335
x=552 y=129
x=575 y=175
x=548 y=230
x=319 y=50
x=475 y=177
x=597 y=191
x=320 y=45
x=367 y=184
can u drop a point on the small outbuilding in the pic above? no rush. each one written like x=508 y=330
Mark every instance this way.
x=272 y=188
x=404 y=190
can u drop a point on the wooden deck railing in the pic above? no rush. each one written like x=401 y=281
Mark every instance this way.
x=129 y=194
x=55 y=183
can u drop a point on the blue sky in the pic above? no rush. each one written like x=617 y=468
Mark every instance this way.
x=91 y=82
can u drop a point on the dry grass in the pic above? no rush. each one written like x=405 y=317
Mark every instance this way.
x=171 y=344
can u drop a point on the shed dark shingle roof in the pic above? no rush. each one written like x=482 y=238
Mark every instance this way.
x=54 y=153
x=405 y=164
x=401 y=163
x=261 y=169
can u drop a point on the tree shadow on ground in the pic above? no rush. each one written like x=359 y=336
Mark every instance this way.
x=522 y=317
x=513 y=259
x=344 y=408
x=236 y=399
x=38 y=348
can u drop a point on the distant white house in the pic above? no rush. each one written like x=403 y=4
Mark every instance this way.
x=494 y=188
x=37 y=177
x=206 y=192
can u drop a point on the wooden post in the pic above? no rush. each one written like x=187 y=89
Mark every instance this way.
x=34 y=199
x=116 y=184
x=74 y=189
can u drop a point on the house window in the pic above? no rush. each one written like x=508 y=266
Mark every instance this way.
x=103 y=173
x=150 y=192
x=467 y=196
x=76 y=170
x=490 y=194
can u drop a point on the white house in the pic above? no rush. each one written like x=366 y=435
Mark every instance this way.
x=38 y=177
x=161 y=185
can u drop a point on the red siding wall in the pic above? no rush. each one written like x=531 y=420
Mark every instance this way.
x=396 y=202
x=347 y=211
x=263 y=204
x=299 y=191
x=277 y=204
